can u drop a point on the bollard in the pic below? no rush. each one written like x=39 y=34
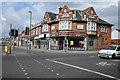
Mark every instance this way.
x=6 y=49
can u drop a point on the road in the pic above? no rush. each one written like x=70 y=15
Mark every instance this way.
x=38 y=65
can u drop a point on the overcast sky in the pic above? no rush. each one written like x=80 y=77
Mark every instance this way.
x=16 y=13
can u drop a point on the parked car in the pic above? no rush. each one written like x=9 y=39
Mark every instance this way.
x=111 y=51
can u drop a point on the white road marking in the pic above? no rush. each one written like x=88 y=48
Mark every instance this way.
x=57 y=74
x=42 y=64
x=52 y=70
x=104 y=64
x=49 y=68
x=26 y=73
x=84 y=69
x=28 y=77
x=24 y=70
x=21 y=66
x=91 y=56
x=37 y=61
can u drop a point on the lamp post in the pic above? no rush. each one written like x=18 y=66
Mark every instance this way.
x=30 y=28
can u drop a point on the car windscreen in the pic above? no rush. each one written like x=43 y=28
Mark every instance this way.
x=110 y=47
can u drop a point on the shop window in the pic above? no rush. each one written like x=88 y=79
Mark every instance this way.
x=71 y=42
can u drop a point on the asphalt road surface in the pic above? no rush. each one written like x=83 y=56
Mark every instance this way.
x=54 y=66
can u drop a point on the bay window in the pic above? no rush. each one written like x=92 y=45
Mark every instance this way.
x=65 y=25
x=91 y=26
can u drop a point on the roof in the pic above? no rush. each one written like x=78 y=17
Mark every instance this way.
x=77 y=14
x=101 y=21
x=52 y=15
x=84 y=11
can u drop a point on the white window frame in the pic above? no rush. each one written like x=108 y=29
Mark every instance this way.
x=92 y=26
x=91 y=16
x=37 y=31
x=65 y=25
x=45 y=28
x=80 y=26
x=52 y=27
x=103 y=29
x=65 y=15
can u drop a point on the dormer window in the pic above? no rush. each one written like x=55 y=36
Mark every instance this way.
x=91 y=16
x=65 y=15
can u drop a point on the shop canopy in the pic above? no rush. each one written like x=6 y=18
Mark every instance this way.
x=42 y=36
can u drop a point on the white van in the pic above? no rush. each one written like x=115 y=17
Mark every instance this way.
x=111 y=51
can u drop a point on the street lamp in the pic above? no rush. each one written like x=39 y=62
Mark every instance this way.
x=30 y=27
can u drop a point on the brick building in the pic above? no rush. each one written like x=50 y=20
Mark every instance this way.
x=72 y=30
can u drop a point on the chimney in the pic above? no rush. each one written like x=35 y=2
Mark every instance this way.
x=60 y=9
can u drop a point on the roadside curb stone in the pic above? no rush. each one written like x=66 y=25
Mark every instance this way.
x=61 y=51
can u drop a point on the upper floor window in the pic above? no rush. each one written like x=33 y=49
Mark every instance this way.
x=65 y=25
x=80 y=26
x=91 y=16
x=45 y=28
x=91 y=26
x=103 y=29
x=37 y=31
x=52 y=27
x=65 y=15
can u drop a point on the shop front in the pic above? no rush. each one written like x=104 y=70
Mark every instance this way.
x=68 y=40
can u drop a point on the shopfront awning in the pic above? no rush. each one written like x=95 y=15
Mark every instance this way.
x=42 y=36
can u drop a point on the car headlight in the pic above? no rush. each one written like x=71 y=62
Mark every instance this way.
x=108 y=52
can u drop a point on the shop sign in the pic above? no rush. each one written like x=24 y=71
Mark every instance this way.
x=91 y=32
x=72 y=34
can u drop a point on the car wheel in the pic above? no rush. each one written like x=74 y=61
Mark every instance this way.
x=113 y=56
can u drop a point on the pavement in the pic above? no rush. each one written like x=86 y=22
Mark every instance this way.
x=62 y=51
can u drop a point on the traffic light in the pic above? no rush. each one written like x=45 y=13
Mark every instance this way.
x=16 y=33
x=11 y=32
x=27 y=31
x=44 y=36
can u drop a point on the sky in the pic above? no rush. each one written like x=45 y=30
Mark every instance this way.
x=16 y=13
